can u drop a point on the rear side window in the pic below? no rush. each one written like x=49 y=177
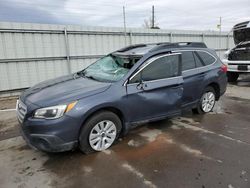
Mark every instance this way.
x=198 y=61
x=188 y=61
x=206 y=58
x=163 y=67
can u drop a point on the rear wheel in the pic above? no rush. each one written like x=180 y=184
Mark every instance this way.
x=99 y=132
x=207 y=101
x=232 y=76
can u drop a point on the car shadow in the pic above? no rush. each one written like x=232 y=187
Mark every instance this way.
x=243 y=81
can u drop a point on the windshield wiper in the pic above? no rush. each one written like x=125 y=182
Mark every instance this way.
x=80 y=73
x=92 y=78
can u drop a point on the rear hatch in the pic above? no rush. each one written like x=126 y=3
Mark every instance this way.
x=241 y=33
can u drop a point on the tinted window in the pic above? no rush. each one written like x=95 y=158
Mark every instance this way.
x=207 y=58
x=164 y=67
x=188 y=61
x=198 y=60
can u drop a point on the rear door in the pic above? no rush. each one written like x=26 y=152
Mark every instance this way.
x=193 y=78
x=155 y=90
x=195 y=72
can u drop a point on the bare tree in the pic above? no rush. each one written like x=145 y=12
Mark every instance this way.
x=149 y=25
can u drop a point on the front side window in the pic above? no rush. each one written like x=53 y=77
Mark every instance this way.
x=109 y=68
x=163 y=67
x=206 y=57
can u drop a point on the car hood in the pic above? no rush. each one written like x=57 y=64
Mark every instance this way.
x=240 y=52
x=62 y=90
x=241 y=32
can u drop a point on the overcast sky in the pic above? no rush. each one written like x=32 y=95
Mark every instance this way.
x=170 y=14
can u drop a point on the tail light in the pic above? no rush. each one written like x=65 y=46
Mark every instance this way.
x=223 y=68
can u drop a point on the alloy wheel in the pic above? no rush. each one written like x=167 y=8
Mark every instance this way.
x=102 y=135
x=208 y=101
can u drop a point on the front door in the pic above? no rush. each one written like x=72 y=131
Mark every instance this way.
x=155 y=90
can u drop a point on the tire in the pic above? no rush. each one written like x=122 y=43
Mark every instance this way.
x=207 y=99
x=232 y=76
x=99 y=132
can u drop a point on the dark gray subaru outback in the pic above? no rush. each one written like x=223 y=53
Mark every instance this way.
x=137 y=84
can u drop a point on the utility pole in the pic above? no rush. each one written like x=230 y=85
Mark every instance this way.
x=124 y=25
x=220 y=38
x=153 y=17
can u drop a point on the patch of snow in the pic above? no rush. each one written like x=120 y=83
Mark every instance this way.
x=189 y=120
x=175 y=127
x=195 y=128
x=87 y=169
x=243 y=172
x=151 y=134
x=190 y=150
x=138 y=174
x=107 y=151
x=133 y=143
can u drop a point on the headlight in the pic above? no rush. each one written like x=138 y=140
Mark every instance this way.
x=53 y=112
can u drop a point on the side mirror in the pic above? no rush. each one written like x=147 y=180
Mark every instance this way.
x=141 y=84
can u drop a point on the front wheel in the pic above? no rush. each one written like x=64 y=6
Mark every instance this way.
x=207 y=101
x=99 y=132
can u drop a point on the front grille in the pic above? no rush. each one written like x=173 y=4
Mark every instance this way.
x=21 y=110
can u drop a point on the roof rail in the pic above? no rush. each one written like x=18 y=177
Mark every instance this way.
x=131 y=47
x=180 y=45
x=160 y=43
x=127 y=48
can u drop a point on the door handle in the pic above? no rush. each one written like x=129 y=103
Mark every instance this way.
x=175 y=86
x=141 y=86
x=201 y=74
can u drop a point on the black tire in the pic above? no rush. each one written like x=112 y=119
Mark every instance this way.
x=232 y=76
x=199 y=109
x=84 y=144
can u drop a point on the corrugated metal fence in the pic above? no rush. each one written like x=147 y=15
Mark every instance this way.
x=31 y=53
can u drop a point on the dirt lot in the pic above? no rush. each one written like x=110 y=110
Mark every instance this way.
x=203 y=151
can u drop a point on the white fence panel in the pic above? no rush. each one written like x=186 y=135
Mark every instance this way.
x=31 y=53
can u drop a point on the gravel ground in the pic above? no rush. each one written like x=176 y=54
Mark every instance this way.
x=8 y=103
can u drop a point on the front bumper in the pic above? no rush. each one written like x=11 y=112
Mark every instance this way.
x=48 y=143
x=232 y=66
x=51 y=135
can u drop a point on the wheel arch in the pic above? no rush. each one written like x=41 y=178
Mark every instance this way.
x=216 y=88
x=113 y=109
